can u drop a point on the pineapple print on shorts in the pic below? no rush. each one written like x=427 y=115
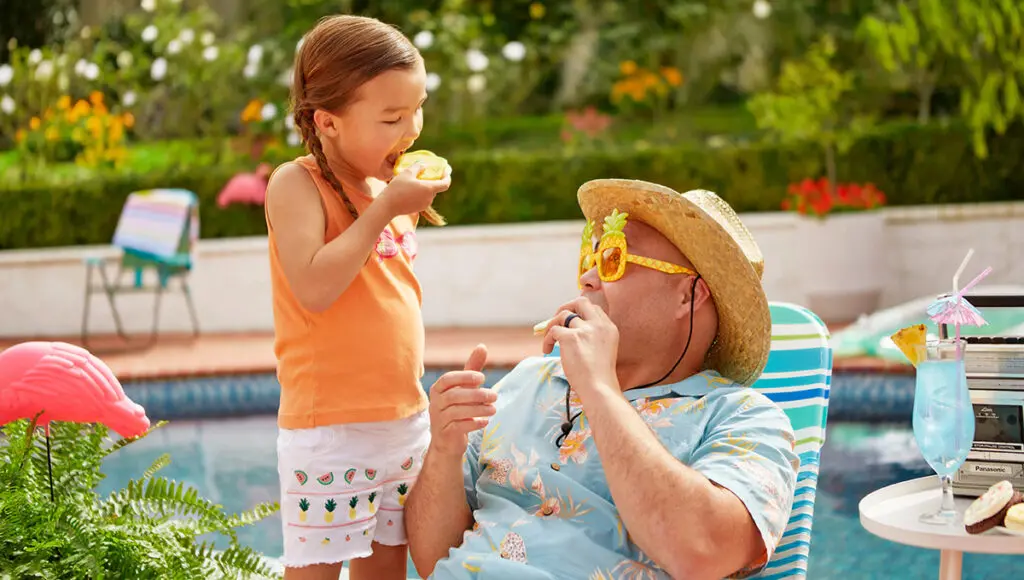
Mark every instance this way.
x=303 y=509
x=329 y=507
x=402 y=490
x=370 y=499
x=513 y=548
x=352 y=507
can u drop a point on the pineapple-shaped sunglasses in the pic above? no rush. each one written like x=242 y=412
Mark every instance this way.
x=611 y=256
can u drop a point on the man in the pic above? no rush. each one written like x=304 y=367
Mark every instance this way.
x=637 y=452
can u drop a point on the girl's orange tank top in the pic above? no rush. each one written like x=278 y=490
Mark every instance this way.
x=360 y=360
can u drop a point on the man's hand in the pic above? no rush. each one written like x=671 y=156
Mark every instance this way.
x=589 y=345
x=458 y=406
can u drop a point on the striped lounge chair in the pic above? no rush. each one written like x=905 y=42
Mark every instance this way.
x=157 y=231
x=797 y=378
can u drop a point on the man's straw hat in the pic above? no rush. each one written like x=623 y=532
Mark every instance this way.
x=711 y=236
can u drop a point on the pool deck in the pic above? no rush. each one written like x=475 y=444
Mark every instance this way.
x=218 y=354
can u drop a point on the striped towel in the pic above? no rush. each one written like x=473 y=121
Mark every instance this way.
x=153 y=222
x=797 y=378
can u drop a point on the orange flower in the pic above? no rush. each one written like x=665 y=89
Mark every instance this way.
x=64 y=103
x=627 y=67
x=20 y=135
x=537 y=11
x=128 y=119
x=252 y=111
x=96 y=98
x=81 y=108
x=672 y=76
x=34 y=123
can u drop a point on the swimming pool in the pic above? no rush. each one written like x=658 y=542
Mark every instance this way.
x=232 y=461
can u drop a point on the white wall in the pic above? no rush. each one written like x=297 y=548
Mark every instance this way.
x=497 y=275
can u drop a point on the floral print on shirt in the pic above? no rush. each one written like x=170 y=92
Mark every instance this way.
x=544 y=511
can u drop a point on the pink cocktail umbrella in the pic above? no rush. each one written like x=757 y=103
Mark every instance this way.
x=953 y=309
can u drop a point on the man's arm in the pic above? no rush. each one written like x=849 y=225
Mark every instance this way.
x=687 y=524
x=437 y=512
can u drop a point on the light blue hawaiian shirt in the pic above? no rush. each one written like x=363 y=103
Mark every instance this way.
x=545 y=512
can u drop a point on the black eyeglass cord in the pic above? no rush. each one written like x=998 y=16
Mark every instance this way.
x=570 y=419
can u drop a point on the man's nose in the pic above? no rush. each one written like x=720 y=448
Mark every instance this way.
x=590 y=280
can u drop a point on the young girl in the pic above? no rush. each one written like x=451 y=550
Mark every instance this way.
x=348 y=328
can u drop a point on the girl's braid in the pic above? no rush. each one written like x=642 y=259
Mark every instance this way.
x=304 y=122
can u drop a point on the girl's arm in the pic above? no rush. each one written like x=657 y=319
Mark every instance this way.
x=317 y=273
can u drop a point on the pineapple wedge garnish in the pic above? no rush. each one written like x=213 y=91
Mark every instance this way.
x=909 y=340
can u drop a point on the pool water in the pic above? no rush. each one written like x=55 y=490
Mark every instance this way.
x=233 y=462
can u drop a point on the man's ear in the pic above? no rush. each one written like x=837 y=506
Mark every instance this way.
x=326 y=123
x=703 y=293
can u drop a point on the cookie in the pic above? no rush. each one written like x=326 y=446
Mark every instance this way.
x=989 y=510
x=1014 y=519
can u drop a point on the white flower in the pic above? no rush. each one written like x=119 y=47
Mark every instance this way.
x=92 y=71
x=286 y=78
x=255 y=53
x=207 y=38
x=289 y=122
x=149 y=33
x=148 y=5
x=268 y=112
x=514 y=51
x=424 y=39
x=210 y=53
x=293 y=139
x=35 y=56
x=159 y=69
x=6 y=74
x=80 y=67
x=125 y=59
x=762 y=9
x=72 y=16
x=128 y=98
x=7 y=104
x=476 y=83
x=63 y=82
x=45 y=70
x=86 y=32
x=58 y=18
x=433 y=81
x=174 y=46
x=187 y=36
x=251 y=70
x=476 y=60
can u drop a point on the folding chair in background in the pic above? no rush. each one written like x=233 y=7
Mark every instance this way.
x=157 y=231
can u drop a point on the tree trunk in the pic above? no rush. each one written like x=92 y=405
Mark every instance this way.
x=580 y=54
x=924 y=100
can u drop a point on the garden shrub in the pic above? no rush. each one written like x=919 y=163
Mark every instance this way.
x=912 y=164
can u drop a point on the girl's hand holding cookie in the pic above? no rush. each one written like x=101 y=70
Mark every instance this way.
x=409 y=194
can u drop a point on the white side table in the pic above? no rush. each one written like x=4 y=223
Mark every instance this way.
x=891 y=513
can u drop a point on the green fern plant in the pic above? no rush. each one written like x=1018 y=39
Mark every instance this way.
x=148 y=529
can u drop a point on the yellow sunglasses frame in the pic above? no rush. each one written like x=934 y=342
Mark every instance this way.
x=613 y=237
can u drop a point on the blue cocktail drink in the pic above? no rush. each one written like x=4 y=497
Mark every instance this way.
x=943 y=417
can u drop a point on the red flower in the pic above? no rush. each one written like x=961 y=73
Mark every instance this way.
x=817 y=198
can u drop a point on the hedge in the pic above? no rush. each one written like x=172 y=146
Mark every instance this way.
x=912 y=164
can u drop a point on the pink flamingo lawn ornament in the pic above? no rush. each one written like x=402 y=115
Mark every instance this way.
x=66 y=383
x=250 y=188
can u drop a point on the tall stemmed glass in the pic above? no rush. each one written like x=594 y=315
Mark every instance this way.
x=943 y=417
